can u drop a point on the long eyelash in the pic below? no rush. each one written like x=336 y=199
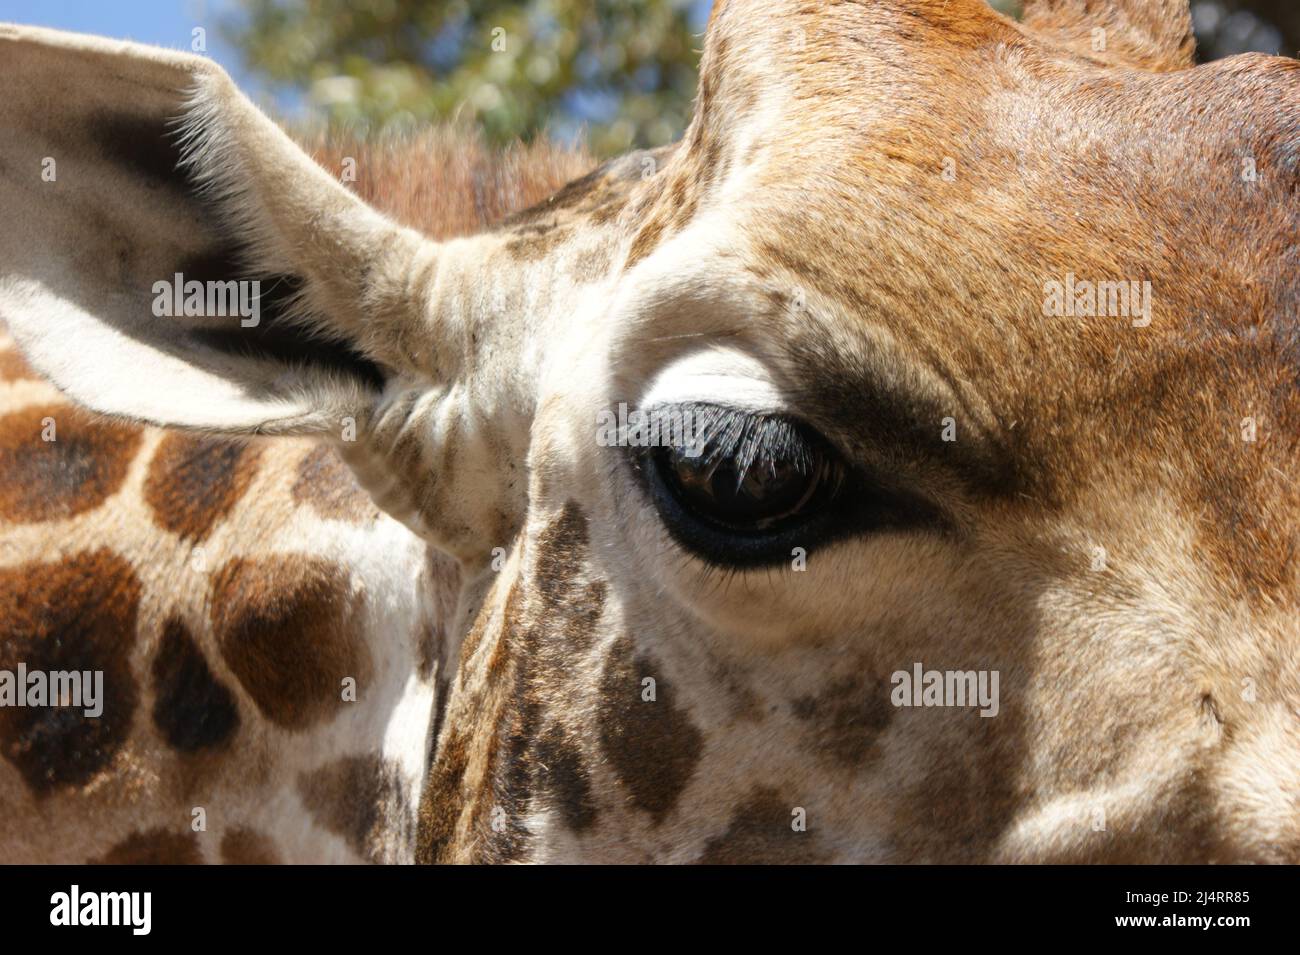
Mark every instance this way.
x=727 y=434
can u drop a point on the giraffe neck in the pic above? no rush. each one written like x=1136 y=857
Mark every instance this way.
x=271 y=645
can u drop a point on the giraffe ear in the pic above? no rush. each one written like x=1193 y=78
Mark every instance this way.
x=1146 y=34
x=169 y=254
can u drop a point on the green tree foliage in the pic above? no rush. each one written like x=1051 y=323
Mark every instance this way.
x=625 y=69
x=1228 y=27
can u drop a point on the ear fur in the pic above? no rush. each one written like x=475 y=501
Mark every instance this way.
x=131 y=177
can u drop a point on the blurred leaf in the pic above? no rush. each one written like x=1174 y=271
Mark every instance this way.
x=623 y=70
x=620 y=71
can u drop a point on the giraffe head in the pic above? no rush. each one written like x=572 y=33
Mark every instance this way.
x=902 y=467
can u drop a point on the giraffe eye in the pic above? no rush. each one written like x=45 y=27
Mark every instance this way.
x=739 y=489
x=744 y=489
x=750 y=496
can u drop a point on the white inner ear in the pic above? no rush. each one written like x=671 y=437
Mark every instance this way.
x=110 y=371
x=719 y=375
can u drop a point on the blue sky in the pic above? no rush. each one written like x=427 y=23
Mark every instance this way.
x=170 y=23
x=160 y=22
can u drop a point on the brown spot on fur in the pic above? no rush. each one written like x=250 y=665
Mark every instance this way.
x=428 y=642
x=583 y=613
x=956 y=809
x=561 y=553
x=607 y=212
x=670 y=204
x=677 y=194
x=511 y=616
x=440 y=803
x=540 y=757
x=532 y=760
x=49 y=480
x=248 y=847
x=13 y=367
x=561 y=771
x=326 y=484
x=287 y=629
x=567 y=198
x=684 y=214
x=357 y=797
x=653 y=746
x=845 y=720
x=647 y=239
x=561 y=545
x=193 y=710
x=195 y=481
x=761 y=833
x=510 y=770
x=535 y=247
x=154 y=847
x=75 y=615
x=591 y=264
x=474 y=638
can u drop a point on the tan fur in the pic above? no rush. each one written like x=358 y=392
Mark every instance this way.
x=1146 y=34
x=858 y=229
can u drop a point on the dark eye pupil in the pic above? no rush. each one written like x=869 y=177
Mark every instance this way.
x=753 y=497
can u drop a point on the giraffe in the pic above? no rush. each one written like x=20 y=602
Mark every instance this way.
x=985 y=331
x=152 y=515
